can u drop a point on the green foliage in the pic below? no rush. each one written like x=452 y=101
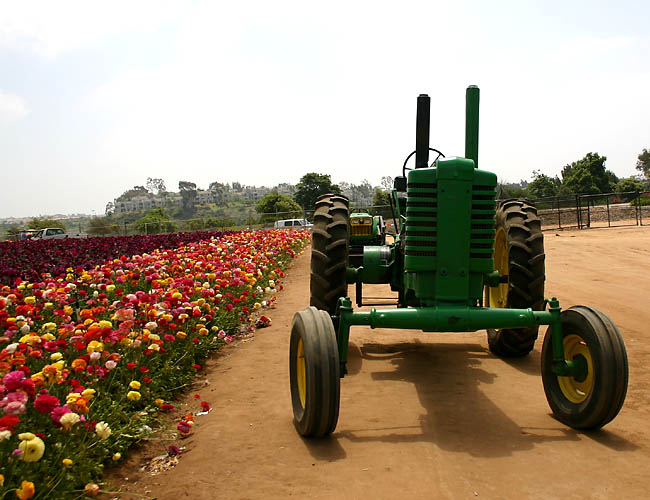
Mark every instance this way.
x=100 y=226
x=644 y=201
x=629 y=184
x=132 y=193
x=155 y=185
x=381 y=197
x=157 y=220
x=643 y=164
x=311 y=186
x=588 y=175
x=188 y=196
x=543 y=186
x=277 y=206
x=42 y=223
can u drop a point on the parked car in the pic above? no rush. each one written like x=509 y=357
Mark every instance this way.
x=56 y=233
x=292 y=223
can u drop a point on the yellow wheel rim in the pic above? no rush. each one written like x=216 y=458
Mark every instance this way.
x=499 y=295
x=301 y=374
x=575 y=391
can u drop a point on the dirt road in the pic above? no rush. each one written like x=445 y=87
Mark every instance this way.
x=426 y=415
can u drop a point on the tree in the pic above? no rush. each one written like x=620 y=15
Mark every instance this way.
x=157 y=185
x=643 y=164
x=132 y=193
x=110 y=208
x=188 y=195
x=629 y=185
x=38 y=223
x=101 y=226
x=387 y=183
x=311 y=186
x=543 y=186
x=220 y=190
x=381 y=197
x=588 y=175
x=156 y=220
x=277 y=206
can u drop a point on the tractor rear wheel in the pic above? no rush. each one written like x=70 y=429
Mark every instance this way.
x=314 y=373
x=329 y=252
x=518 y=254
x=593 y=399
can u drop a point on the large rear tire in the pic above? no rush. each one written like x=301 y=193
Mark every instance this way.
x=595 y=398
x=314 y=373
x=329 y=252
x=519 y=254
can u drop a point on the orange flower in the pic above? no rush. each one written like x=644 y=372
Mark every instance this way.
x=79 y=365
x=26 y=490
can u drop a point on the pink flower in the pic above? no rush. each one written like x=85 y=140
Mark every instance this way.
x=14 y=408
x=12 y=380
x=221 y=334
x=57 y=413
x=229 y=339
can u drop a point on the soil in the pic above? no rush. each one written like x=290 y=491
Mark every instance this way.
x=423 y=415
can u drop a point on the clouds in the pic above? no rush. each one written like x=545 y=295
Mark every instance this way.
x=263 y=92
x=12 y=107
x=50 y=29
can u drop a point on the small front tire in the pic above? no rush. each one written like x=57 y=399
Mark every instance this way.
x=314 y=373
x=591 y=401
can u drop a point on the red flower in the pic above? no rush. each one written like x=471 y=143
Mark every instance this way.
x=131 y=366
x=144 y=369
x=9 y=422
x=46 y=403
x=147 y=380
x=205 y=406
x=196 y=367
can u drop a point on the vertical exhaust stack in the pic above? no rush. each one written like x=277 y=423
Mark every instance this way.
x=471 y=123
x=422 y=131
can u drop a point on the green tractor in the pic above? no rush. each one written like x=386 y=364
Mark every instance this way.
x=459 y=263
x=365 y=229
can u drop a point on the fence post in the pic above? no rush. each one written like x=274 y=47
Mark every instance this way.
x=578 y=215
x=609 y=224
x=559 y=216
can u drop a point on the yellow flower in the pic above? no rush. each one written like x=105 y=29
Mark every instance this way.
x=88 y=393
x=181 y=335
x=55 y=356
x=117 y=456
x=132 y=395
x=158 y=401
x=110 y=288
x=105 y=324
x=2 y=480
x=68 y=310
x=177 y=296
x=94 y=346
x=72 y=397
x=68 y=420
x=49 y=326
x=67 y=463
x=49 y=305
x=48 y=336
x=135 y=385
x=203 y=331
x=30 y=300
x=103 y=430
x=26 y=490
x=33 y=447
x=30 y=339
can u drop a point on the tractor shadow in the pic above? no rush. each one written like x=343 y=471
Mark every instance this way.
x=458 y=416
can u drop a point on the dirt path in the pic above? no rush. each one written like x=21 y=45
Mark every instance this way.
x=426 y=415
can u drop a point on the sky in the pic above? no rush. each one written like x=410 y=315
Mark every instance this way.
x=97 y=96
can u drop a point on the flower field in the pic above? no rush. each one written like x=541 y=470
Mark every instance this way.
x=92 y=353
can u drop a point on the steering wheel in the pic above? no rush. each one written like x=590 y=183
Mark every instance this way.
x=404 y=167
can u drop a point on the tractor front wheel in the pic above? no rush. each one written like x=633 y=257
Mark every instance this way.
x=595 y=397
x=314 y=373
x=519 y=255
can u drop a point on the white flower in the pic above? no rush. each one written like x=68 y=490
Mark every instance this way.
x=11 y=348
x=103 y=430
x=4 y=435
x=94 y=356
x=24 y=329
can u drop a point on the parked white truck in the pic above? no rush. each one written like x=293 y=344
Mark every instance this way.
x=56 y=233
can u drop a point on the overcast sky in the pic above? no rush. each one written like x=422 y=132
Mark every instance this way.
x=97 y=96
